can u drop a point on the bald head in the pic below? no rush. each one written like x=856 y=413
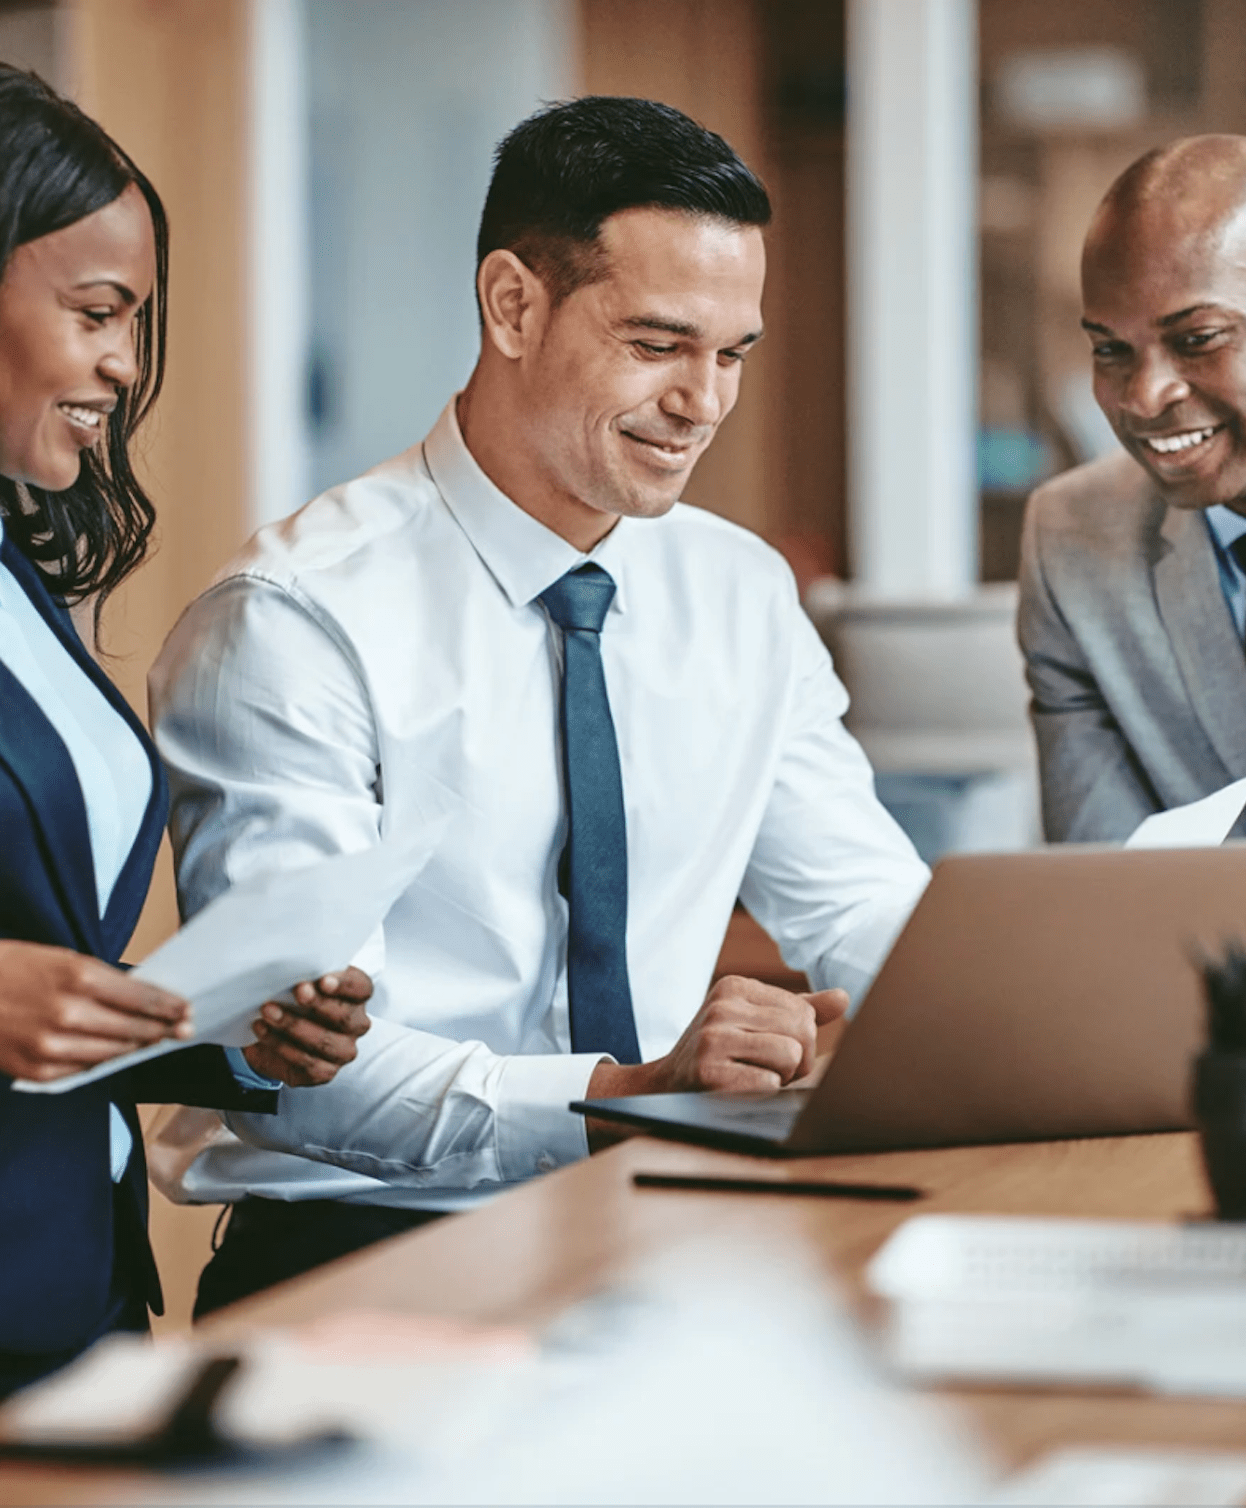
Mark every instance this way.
x=1164 y=304
x=1195 y=187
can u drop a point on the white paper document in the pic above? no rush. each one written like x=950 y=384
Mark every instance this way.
x=384 y=1377
x=262 y=936
x=1143 y=1477
x=1202 y=824
x=1115 y=1303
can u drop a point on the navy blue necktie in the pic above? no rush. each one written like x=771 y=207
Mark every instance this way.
x=595 y=859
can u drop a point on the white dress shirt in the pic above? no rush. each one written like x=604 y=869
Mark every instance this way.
x=381 y=657
x=110 y=763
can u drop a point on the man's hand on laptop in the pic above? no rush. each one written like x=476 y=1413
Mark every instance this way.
x=747 y=1037
x=305 y=1043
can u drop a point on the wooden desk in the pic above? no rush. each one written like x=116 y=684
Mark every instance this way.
x=529 y=1254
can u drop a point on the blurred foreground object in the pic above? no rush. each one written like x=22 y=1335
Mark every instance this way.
x=1148 y=1476
x=1141 y=1304
x=702 y=1377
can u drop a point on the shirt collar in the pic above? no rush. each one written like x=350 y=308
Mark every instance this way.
x=520 y=553
x=1226 y=526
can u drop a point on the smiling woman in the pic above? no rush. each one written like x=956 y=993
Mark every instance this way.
x=83 y=799
x=68 y=307
x=82 y=339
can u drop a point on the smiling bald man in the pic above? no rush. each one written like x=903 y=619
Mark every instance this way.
x=1133 y=573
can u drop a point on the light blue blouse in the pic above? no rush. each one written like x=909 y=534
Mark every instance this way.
x=1225 y=527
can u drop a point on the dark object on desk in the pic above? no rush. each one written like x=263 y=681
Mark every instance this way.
x=800 y=1186
x=187 y=1438
x=760 y=1124
x=1219 y=1088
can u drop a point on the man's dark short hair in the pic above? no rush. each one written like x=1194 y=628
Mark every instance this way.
x=565 y=170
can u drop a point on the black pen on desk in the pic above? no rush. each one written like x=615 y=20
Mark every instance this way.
x=901 y=1193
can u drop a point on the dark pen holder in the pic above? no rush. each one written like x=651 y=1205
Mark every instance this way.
x=1219 y=1079
x=1219 y=1093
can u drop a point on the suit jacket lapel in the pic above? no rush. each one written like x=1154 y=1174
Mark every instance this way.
x=39 y=763
x=70 y=843
x=130 y=891
x=1204 y=639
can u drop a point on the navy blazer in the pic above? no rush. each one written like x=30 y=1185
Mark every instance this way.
x=56 y=1192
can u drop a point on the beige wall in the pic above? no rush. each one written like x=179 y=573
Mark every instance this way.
x=703 y=57
x=167 y=78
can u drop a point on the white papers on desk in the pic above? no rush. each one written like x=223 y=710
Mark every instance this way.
x=1139 y=1478
x=427 y=1384
x=1113 y=1303
x=1201 y=824
x=264 y=935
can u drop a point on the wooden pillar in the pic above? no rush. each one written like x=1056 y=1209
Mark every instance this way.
x=703 y=57
x=169 y=80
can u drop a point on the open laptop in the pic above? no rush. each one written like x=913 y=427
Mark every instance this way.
x=1031 y=996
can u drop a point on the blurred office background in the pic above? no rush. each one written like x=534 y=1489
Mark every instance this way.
x=934 y=164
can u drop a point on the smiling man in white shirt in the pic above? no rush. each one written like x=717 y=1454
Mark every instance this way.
x=407 y=646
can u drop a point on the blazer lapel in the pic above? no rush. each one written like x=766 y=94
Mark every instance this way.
x=108 y=937
x=130 y=891
x=39 y=763
x=1210 y=655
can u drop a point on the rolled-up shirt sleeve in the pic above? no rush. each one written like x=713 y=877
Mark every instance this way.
x=264 y=721
x=418 y=1111
x=832 y=877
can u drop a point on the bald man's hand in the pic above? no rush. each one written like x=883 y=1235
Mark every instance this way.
x=747 y=1037
x=305 y=1041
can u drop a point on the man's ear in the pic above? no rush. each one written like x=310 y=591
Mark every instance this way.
x=513 y=303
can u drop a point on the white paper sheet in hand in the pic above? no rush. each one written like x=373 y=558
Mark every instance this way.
x=263 y=936
x=1202 y=824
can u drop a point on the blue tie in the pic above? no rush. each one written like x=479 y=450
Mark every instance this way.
x=594 y=877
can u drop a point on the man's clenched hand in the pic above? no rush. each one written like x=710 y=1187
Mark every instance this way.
x=747 y=1036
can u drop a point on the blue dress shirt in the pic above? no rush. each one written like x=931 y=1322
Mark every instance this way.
x=1226 y=527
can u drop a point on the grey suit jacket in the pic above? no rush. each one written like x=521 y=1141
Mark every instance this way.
x=1137 y=676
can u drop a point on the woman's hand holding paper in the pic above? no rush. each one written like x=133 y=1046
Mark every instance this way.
x=62 y=1011
x=305 y=1043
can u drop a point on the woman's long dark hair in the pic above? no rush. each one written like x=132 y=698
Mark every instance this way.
x=56 y=167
